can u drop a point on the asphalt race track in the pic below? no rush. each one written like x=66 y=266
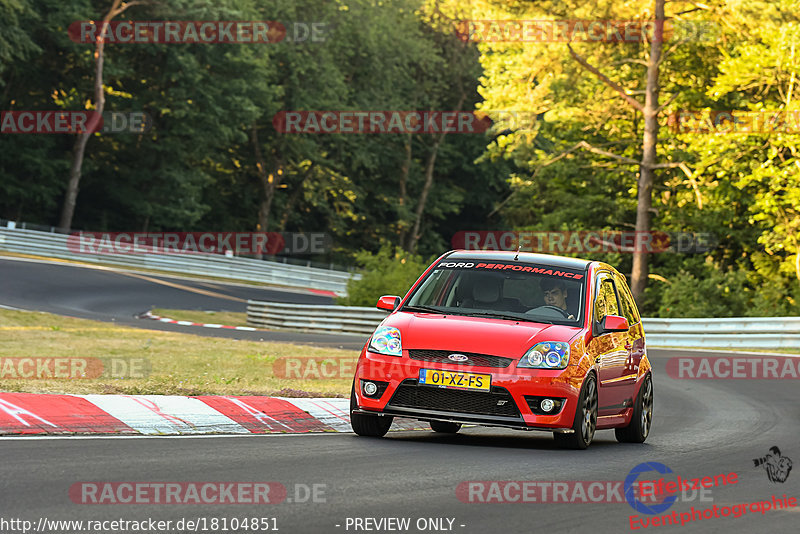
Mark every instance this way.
x=701 y=428
x=111 y=295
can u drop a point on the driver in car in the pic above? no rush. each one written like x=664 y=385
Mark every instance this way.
x=555 y=294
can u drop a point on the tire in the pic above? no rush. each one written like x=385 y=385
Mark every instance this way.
x=445 y=427
x=585 y=422
x=641 y=421
x=373 y=426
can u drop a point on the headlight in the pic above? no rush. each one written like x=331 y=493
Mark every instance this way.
x=386 y=340
x=546 y=355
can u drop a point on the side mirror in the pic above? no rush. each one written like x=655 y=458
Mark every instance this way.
x=613 y=323
x=388 y=302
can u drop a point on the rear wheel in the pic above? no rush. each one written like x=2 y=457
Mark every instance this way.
x=445 y=427
x=585 y=418
x=641 y=421
x=374 y=426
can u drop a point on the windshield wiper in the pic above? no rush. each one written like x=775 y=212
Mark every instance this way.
x=506 y=316
x=422 y=309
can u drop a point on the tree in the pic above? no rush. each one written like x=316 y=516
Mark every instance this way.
x=647 y=166
x=546 y=82
x=71 y=197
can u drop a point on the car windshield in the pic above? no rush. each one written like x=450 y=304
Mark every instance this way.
x=507 y=290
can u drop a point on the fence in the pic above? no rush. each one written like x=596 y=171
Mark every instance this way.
x=304 y=317
x=748 y=332
x=54 y=245
x=741 y=332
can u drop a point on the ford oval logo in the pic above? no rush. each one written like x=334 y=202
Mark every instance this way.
x=458 y=357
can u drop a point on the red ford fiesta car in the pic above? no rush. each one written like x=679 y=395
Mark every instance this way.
x=519 y=340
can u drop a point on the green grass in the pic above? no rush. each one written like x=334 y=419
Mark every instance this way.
x=180 y=364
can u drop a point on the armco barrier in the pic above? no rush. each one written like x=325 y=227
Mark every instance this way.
x=305 y=317
x=54 y=245
x=747 y=332
x=733 y=332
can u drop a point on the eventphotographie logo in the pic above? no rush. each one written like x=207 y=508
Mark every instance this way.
x=777 y=467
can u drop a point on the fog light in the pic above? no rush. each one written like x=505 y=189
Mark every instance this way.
x=547 y=405
x=370 y=388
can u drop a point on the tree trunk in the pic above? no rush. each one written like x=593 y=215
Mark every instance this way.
x=71 y=198
x=404 y=171
x=423 y=197
x=640 y=269
x=298 y=190
x=79 y=149
x=269 y=182
x=287 y=210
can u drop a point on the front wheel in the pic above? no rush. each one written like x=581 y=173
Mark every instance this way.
x=585 y=421
x=373 y=426
x=641 y=421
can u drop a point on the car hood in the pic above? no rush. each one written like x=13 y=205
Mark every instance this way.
x=498 y=337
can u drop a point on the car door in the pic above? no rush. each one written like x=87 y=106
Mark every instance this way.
x=636 y=347
x=610 y=350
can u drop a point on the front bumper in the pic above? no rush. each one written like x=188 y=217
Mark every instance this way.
x=507 y=405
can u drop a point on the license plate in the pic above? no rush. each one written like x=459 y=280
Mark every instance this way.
x=455 y=380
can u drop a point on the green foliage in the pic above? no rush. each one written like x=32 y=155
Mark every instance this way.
x=16 y=44
x=726 y=292
x=390 y=271
x=716 y=293
x=742 y=188
x=197 y=168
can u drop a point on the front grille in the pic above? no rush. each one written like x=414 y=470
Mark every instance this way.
x=441 y=356
x=499 y=402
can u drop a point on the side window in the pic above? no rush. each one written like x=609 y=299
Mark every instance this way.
x=605 y=303
x=629 y=310
x=431 y=287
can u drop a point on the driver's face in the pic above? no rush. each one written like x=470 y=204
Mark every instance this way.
x=556 y=297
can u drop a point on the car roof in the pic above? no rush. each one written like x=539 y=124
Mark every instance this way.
x=561 y=262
